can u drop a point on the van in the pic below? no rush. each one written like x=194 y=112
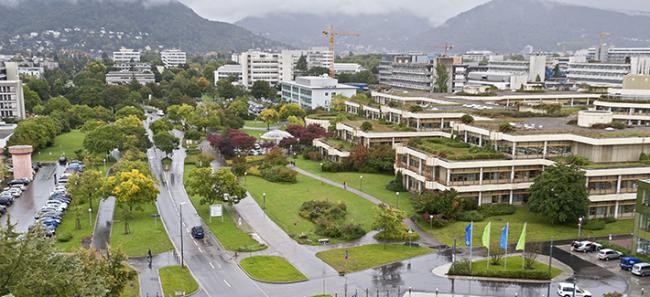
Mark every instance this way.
x=628 y=262
x=641 y=269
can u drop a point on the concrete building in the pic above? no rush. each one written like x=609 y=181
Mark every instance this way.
x=607 y=74
x=641 y=238
x=319 y=57
x=173 y=57
x=348 y=68
x=128 y=66
x=606 y=54
x=477 y=56
x=126 y=55
x=33 y=71
x=227 y=71
x=407 y=71
x=12 y=100
x=314 y=91
x=125 y=77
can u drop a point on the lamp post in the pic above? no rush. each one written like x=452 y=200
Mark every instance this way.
x=321 y=166
x=397 y=198
x=104 y=165
x=580 y=228
x=245 y=174
x=264 y=200
x=361 y=183
x=90 y=216
x=431 y=221
x=410 y=245
x=180 y=215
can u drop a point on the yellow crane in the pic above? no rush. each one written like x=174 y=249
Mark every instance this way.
x=330 y=33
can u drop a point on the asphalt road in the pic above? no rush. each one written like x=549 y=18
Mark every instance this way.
x=102 y=233
x=24 y=208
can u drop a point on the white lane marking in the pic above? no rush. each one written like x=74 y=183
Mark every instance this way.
x=219 y=265
x=211 y=265
x=225 y=281
x=200 y=251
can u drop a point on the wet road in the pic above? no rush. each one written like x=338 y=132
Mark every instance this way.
x=24 y=208
x=102 y=233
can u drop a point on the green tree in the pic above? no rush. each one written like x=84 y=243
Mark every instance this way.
x=85 y=188
x=366 y=126
x=212 y=186
x=161 y=125
x=262 y=89
x=165 y=142
x=301 y=64
x=442 y=77
x=227 y=90
x=445 y=203
x=57 y=103
x=239 y=107
x=104 y=139
x=466 y=119
x=128 y=111
x=291 y=109
x=294 y=120
x=132 y=189
x=388 y=221
x=269 y=116
x=40 y=87
x=560 y=194
x=31 y=98
x=317 y=71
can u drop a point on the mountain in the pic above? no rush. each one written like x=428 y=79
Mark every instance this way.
x=510 y=25
x=377 y=33
x=93 y=25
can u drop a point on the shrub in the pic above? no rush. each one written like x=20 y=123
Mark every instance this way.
x=352 y=231
x=193 y=134
x=519 y=274
x=279 y=174
x=64 y=237
x=415 y=108
x=396 y=185
x=313 y=155
x=335 y=167
x=594 y=225
x=469 y=216
x=366 y=126
x=609 y=220
x=460 y=267
x=506 y=128
x=316 y=209
x=500 y=209
x=468 y=203
x=401 y=236
x=328 y=228
x=467 y=119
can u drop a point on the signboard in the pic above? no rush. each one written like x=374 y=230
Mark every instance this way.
x=216 y=210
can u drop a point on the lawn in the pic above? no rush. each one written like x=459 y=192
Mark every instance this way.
x=373 y=183
x=255 y=133
x=67 y=227
x=369 y=256
x=272 y=269
x=146 y=233
x=230 y=236
x=64 y=144
x=539 y=229
x=283 y=202
x=255 y=124
x=514 y=263
x=176 y=279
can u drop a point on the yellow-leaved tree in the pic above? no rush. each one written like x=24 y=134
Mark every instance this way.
x=132 y=189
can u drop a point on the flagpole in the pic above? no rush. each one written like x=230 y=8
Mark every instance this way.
x=505 y=258
x=471 y=239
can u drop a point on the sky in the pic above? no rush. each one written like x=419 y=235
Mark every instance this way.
x=437 y=11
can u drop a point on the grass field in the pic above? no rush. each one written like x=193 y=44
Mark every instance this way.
x=255 y=133
x=272 y=269
x=539 y=229
x=64 y=144
x=283 y=202
x=146 y=232
x=68 y=223
x=513 y=263
x=231 y=237
x=176 y=279
x=255 y=124
x=373 y=183
x=369 y=256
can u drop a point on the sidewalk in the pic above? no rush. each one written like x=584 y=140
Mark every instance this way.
x=148 y=277
x=425 y=238
x=103 y=224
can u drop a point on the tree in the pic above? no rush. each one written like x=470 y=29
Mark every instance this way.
x=560 y=194
x=128 y=111
x=165 y=142
x=366 y=126
x=40 y=87
x=445 y=203
x=58 y=103
x=294 y=120
x=104 y=139
x=213 y=186
x=301 y=64
x=227 y=90
x=131 y=189
x=262 y=89
x=31 y=98
x=538 y=78
x=161 y=125
x=358 y=156
x=338 y=102
x=442 y=77
x=316 y=71
x=291 y=109
x=556 y=71
x=269 y=116
x=506 y=128
x=388 y=221
x=85 y=188
x=239 y=107
x=466 y=119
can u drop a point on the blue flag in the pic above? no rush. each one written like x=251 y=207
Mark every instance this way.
x=468 y=235
x=504 y=237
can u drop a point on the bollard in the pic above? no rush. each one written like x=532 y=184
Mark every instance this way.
x=516 y=294
x=436 y=292
x=409 y=291
x=642 y=291
x=366 y=292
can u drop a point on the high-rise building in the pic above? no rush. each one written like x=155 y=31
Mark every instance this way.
x=126 y=55
x=12 y=101
x=173 y=58
x=227 y=71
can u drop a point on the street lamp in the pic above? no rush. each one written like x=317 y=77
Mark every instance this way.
x=360 y=183
x=431 y=221
x=321 y=166
x=580 y=228
x=180 y=224
x=245 y=174
x=90 y=216
x=397 y=197
x=264 y=200
x=104 y=165
x=410 y=245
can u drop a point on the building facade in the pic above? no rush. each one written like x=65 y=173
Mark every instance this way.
x=228 y=71
x=641 y=238
x=126 y=76
x=311 y=92
x=126 y=55
x=173 y=57
x=12 y=100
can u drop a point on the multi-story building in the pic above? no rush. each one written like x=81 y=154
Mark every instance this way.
x=607 y=54
x=348 y=68
x=126 y=55
x=124 y=77
x=228 y=71
x=641 y=238
x=408 y=71
x=535 y=67
x=607 y=74
x=128 y=66
x=477 y=56
x=319 y=57
x=33 y=71
x=314 y=91
x=173 y=57
x=629 y=104
x=12 y=101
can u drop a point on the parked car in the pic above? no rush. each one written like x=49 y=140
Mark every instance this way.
x=6 y=201
x=63 y=160
x=197 y=232
x=627 y=262
x=3 y=209
x=567 y=290
x=19 y=182
x=586 y=246
x=641 y=269
x=21 y=187
x=609 y=254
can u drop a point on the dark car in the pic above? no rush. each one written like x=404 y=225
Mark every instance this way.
x=6 y=201
x=628 y=262
x=197 y=232
x=63 y=160
x=3 y=209
x=19 y=182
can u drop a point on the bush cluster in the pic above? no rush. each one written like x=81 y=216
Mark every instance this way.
x=499 y=209
x=470 y=216
x=335 y=167
x=279 y=174
x=401 y=236
x=463 y=268
x=329 y=218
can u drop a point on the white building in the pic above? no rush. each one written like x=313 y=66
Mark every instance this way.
x=314 y=91
x=173 y=58
x=36 y=72
x=534 y=67
x=12 y=101
x=348 y=68
x=500 y=80
x=476 y=56
x=319 y=57
x=125 y=77
x=227 y=71
x=608 y=54
x=126 y=55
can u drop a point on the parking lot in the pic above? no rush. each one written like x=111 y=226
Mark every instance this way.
x=635 y=283
x=33 y=198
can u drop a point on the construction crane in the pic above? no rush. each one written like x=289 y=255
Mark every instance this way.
x=331 y=34
x=445 y=48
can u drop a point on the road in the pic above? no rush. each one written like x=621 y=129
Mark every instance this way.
x=24 y=208
x=103 y=223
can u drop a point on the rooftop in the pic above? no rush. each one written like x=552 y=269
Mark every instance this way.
x=378 y=126
x=338 y=144
x=454 y=150
x=560 y=125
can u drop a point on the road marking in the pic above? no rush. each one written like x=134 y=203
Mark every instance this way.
x=219 y=265
x=200 y=251
x=211 y=265
x=225 y=281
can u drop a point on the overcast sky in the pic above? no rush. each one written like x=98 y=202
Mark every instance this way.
x=437 y=11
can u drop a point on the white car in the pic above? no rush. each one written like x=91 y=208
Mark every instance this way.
x=641 y=269
x=566 y=290
x=56 y=204
x=609 y=254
